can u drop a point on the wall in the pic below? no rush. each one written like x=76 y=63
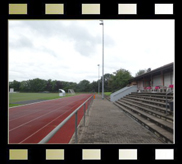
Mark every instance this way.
x=140 y=84
x=157 y=80
x=122 y=92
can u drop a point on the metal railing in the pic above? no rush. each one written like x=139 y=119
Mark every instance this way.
x=54 y=131
x=166 y=98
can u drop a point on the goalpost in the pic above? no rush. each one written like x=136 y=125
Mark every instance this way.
x=71 y=91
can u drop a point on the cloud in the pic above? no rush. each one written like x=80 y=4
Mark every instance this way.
x=24 y=42
x=84 y=42
x=21 y=42
x=70 y=50
x=49 y=51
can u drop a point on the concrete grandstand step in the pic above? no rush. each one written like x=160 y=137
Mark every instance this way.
x=162 y=123
x=149 y=97
x=160 y=132
x=107 y=97
x=150 y=111
x=154 y=95
x=149 y=101
x=155 y=107
x=159 y=93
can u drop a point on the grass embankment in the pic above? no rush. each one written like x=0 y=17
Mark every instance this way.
x=107 y=93
x=17 y=97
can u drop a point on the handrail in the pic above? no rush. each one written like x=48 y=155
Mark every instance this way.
x=53 y=132
x=166 y=98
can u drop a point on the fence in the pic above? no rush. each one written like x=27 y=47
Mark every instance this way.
x=54 y=131
x=169 y=102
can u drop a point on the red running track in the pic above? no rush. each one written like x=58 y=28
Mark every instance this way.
x=31 y=123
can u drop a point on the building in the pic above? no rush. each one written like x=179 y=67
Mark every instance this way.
x=162 y=76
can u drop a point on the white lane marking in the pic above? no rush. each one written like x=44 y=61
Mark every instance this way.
x=78 y=96
x=42 y=127
x=45 y=125
x=37 y=118
x=33 y=112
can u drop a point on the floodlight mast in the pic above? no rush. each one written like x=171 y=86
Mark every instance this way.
x=102 y=23
x=98 y=79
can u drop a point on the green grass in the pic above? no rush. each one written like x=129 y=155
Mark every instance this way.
x=107 y=93
x=16 y=97
x=12 y=105
x=56 y=97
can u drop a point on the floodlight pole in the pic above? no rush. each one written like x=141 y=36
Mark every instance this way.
x=102 y=23
x=98 y=79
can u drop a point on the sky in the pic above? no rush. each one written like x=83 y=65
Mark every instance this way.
x=70 y=50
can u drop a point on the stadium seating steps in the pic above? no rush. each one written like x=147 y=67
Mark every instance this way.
x=149 y=109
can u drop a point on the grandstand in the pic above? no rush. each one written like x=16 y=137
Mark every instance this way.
x=152 y=110
x=149 y=101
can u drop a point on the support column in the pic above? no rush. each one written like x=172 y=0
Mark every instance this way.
x=162 y=78
x=151 y=80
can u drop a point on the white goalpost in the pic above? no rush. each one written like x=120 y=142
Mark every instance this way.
x=71 y=91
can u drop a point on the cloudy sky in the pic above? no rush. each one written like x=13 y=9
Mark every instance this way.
x=70 y=50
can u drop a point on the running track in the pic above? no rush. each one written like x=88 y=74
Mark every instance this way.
x=31 y=123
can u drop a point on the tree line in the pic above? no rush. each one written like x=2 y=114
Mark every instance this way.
x=112 y=82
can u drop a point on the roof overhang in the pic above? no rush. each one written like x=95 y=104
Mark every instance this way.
x=155 y=71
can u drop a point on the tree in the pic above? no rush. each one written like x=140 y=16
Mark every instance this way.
x=94 y=86
x=48 y=85
x=119 y=79
x=25 y=86
x=70 y=85
x=112 y=82
x=58 y=86
x=14 y=84
x=84 y=86
x=107 y=77
x=53 y=85
x=37 y=85
x=140 y=72
x=149 y=69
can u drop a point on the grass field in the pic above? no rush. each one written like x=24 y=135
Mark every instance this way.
x=17 y=97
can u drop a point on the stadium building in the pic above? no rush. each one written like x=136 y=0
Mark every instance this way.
x=161 y=77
